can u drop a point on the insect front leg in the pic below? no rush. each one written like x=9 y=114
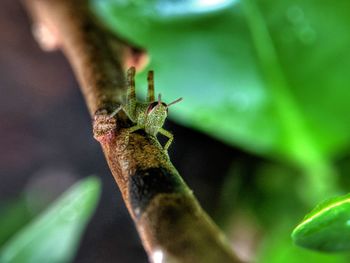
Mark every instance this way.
x=134 y=128
x=115 y=112
x=169 y=135
x=150 y=92
x=131 y=130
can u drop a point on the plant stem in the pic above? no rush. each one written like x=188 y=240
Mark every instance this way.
x=172 y=225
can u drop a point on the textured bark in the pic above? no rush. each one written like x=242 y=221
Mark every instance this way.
x=171 y=223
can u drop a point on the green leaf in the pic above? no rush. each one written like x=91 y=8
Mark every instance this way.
x=268 y=76
x=14 y=215
x=327 y=227
x=277 y=247
x=55 y=234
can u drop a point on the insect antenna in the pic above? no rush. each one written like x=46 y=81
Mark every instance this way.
x=175 y=101
x=159 y=99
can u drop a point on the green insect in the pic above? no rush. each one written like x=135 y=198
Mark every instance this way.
x=149 y=116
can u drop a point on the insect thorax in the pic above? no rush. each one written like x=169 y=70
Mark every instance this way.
x=155 y=119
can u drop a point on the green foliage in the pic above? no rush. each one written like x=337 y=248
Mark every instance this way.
x=327 y=227
x=278 y=210
x=54 y=235
x=277 y=248
x=269 y=76
x=14 y=214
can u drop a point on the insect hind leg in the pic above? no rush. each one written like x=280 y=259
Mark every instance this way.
x=130 y=105
x=150 y=92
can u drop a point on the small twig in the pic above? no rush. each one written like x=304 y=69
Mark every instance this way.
x=171 y=224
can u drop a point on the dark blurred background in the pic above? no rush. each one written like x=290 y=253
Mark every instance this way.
x=46 y=143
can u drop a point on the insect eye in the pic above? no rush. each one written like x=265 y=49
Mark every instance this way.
x=152 y=106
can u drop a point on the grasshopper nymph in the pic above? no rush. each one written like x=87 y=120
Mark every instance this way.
x=150 y=115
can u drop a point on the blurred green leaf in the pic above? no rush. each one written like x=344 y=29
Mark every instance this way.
x=269 y=76
x=55 y=234
x=13 y=216
x=277 y=248
x=327 y=227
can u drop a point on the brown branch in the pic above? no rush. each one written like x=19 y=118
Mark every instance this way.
x=169 y=219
